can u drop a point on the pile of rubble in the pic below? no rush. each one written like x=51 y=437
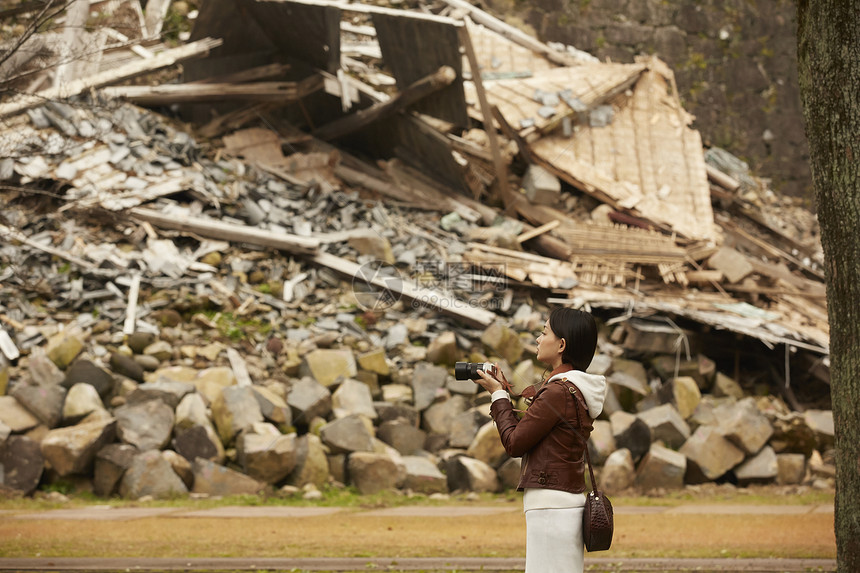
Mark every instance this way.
x=191 y=308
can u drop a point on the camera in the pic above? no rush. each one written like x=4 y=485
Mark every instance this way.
x=469 y=370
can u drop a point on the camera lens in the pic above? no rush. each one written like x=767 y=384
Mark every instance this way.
x=469 y=370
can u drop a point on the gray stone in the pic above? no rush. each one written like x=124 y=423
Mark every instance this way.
x=311 y=463
x=21 y=464
x=661 y=468
x=666 y=425
x=43 y=370
x=509 y=473
x=618 y=472
x=761 y=468
x=181 y=467
x=744 y=425
x=217 y=480
x=45 y=402
x=353 y=397
x=81 y=400
x=504 y=341
x=468 y=474
x=137 y=341
x=791 y=469
x=389 y=411
x=329 y=366
x=709 y=455
x=235 y=409
x=14 y=415
x=192 y=442
x=64 y=347
x=541 y=186
x=463 y=429
x=110 y=464
x=266 y=454
x=372 y=472
x=146 y=426
x=438 y=418
x=601 y=442
x=72 y=450
x=126 y=366
x=374 y=361
x=308 y=399
x=149 y=474
x=85 y=372
x=427 y=381
x=192 y=411
x=821 y=424
x=725 y=386
x=443 y=349
x=171 y=392
x=632 y=433
x=402 y=436
x=348 y=434
x=487 y=447
x=422 y=476
x=273 y=406
x=211 y=381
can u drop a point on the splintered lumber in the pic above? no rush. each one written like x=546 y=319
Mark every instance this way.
x=417 y=91
x=227 y=232
x=498 y=162
x=393 y=289
x=10 y=234
x=126 y=71
x=250 y=75
x=185 y=93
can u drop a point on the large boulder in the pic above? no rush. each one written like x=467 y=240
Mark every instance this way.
x=666 y=425
x=44 y=402
x=110 y=465
x=618 y=472
x=709 y=455
x=349 y=434
x=234 y=410
x=371 y=472
x=468 y=474
x=146 y=426
x=265 y=453
x=353 y=397
x=311 y=463
x=423 y=476
x=71 y=450
x=329 y=366
x=744 y=425
x=661 y=468
x=149 y=474
x=308 y=399
x=217 y=480
x=21 y=464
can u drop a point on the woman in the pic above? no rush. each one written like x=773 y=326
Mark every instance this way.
x=550 y=442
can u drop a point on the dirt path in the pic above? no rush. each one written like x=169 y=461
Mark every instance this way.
x=724 y=537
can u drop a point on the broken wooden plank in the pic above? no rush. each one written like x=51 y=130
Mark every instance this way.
x=227 y=232
x=168 y=94
x=531 y=234
x=498 y=163
x=131 y=309
x=254 y=74
x=396 y=288
x=417 y=91
x=154 y=14
x=69 y=89
x=10 y=234
x=725 y=181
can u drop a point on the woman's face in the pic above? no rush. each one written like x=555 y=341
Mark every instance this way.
x=549 y=346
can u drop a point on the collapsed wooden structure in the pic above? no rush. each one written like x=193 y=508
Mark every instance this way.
x=409 y=88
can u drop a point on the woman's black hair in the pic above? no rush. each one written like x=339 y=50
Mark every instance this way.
x=579 y=331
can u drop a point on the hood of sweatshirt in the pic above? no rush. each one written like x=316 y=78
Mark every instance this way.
x=592 y=386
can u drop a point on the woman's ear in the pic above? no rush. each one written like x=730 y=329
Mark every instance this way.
x=562 y=346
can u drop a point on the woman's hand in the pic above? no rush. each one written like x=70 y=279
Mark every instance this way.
x=493 y=381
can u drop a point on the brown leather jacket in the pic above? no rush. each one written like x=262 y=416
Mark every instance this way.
x=547 y=437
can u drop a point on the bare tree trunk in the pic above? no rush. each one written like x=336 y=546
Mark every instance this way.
x=829 y=71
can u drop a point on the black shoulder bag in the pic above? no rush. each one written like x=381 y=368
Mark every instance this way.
x=597 y=518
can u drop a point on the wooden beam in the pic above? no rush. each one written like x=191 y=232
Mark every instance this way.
x=486 y=112
x=250 y=75
x=227 y=232
x=186 y=93
x=396 y=288
x=101 y=79
x=419 y=90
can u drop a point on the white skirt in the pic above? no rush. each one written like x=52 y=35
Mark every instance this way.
x=554 y=541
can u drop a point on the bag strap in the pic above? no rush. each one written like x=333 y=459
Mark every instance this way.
x=573 y=391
